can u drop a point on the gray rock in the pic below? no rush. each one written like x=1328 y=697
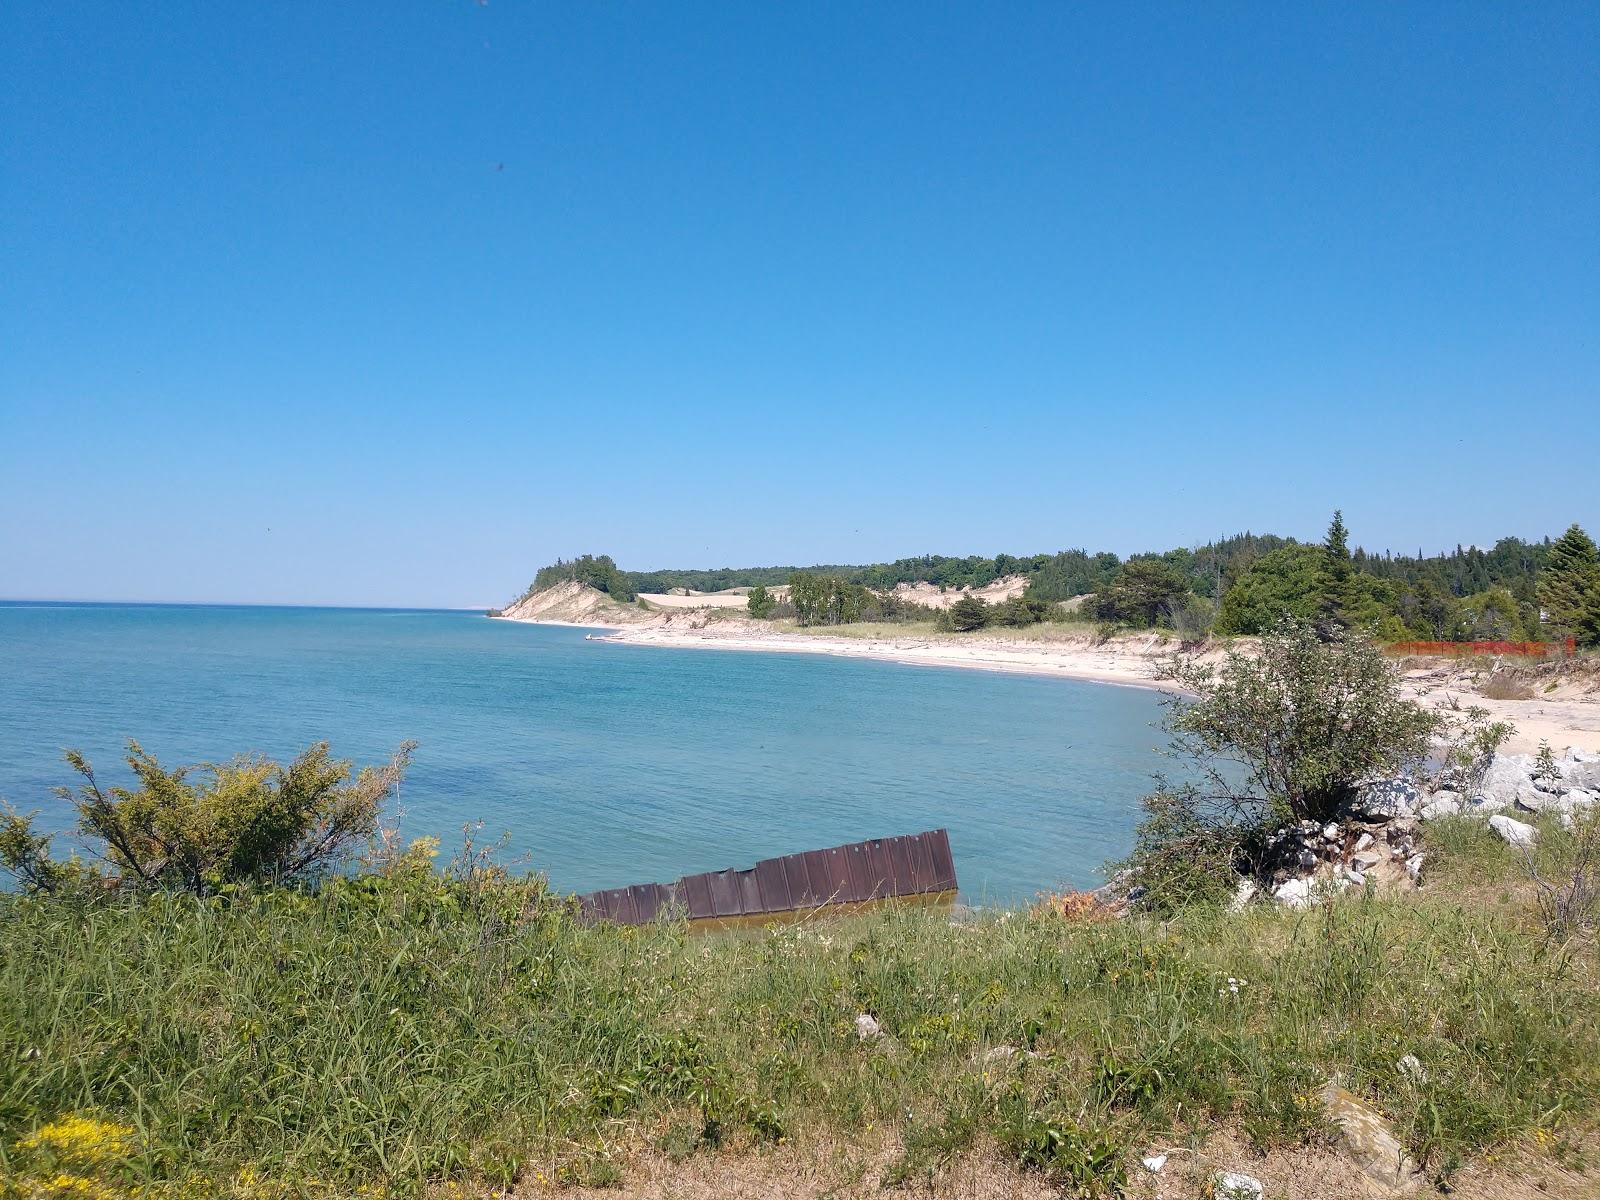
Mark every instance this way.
x=1504 y=777
x=1384 y=800
x=1242 y=895
x=1365 y=862
x=1582 y=772
x=1307 y=860
x=1363 y=842
x=1330 y=832
x=1532 y=799
x=1411 y=1067
x=1368 y=1141
x=1414 y=867
x=1517 y=834
x=1443 y=804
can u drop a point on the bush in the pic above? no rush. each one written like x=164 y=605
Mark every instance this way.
x=1192 y=618
x=1310 y=717
x=1020 y=611
x=761 y=602
x=1286 y=734
x=198 y=829
x=1142 y=593
x=969 y=613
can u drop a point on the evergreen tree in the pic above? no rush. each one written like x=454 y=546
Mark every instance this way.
x=968 y=613
x=1569 y=587
x=1336 y=572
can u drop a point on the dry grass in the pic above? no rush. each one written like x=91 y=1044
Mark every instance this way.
x=1501 y=687
x=855 y=1170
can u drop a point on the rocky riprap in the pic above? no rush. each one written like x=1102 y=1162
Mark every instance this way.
x=1375 y=837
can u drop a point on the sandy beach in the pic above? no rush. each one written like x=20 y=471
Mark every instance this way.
x=1115 y=662
x=1566 y=716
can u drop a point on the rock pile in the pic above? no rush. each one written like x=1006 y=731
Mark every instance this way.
x=1375 y=838
x=1520 y=782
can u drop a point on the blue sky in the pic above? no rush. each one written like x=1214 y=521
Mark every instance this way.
x=392 y=303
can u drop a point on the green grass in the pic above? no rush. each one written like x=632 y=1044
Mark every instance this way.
x=402 y=1032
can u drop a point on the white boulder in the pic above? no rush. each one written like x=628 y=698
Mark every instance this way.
x=1295 y=893
x=1443 y=804
x=1230 y=1185
x=1523 y=837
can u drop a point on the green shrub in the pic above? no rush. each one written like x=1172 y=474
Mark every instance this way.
x=197 y=829
x=1287 y=733
x=968 y=614
x=1142 y=594
x=761 y=602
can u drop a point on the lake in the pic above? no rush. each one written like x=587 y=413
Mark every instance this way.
x=605 y=764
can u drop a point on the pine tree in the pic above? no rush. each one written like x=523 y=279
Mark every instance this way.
x=1569 y=587
x=1336 y=572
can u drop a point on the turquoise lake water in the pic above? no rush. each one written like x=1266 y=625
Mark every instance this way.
x=607 y=764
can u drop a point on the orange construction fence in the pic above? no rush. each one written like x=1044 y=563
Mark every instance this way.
x=1519 y=649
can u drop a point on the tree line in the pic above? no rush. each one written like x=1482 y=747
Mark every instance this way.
x=1515 y=590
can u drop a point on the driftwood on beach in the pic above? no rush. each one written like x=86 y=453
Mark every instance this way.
x=916 y=866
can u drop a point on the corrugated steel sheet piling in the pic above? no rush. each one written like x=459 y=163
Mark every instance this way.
x=917 y=866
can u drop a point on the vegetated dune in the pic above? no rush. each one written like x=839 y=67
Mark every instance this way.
x=574 y=603
x=930 y=595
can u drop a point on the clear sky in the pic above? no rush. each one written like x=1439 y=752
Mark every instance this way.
x=394 y=302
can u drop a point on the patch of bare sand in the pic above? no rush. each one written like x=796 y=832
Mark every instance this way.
x=931 y=595
x=574 y=603
x=1560 y=701
x=730 y=598
x=1132 y=660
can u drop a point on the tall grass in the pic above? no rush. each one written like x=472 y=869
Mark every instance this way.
x=397 y=1032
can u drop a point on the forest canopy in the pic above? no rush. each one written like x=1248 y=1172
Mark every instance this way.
x=1234 y=585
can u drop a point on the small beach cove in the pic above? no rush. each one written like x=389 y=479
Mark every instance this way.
x=605 y=767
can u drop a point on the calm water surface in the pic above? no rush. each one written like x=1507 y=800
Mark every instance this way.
x=606 y=764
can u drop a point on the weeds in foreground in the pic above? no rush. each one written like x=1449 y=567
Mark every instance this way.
x=406 y=1031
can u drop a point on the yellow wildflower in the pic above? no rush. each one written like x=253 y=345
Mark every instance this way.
x=81 y=1139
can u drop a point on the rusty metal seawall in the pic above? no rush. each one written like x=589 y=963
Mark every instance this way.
x=918 y=864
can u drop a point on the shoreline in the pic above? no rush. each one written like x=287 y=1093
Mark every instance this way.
x=1062 y=662
x=1566 y=722
x=1002 y=662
